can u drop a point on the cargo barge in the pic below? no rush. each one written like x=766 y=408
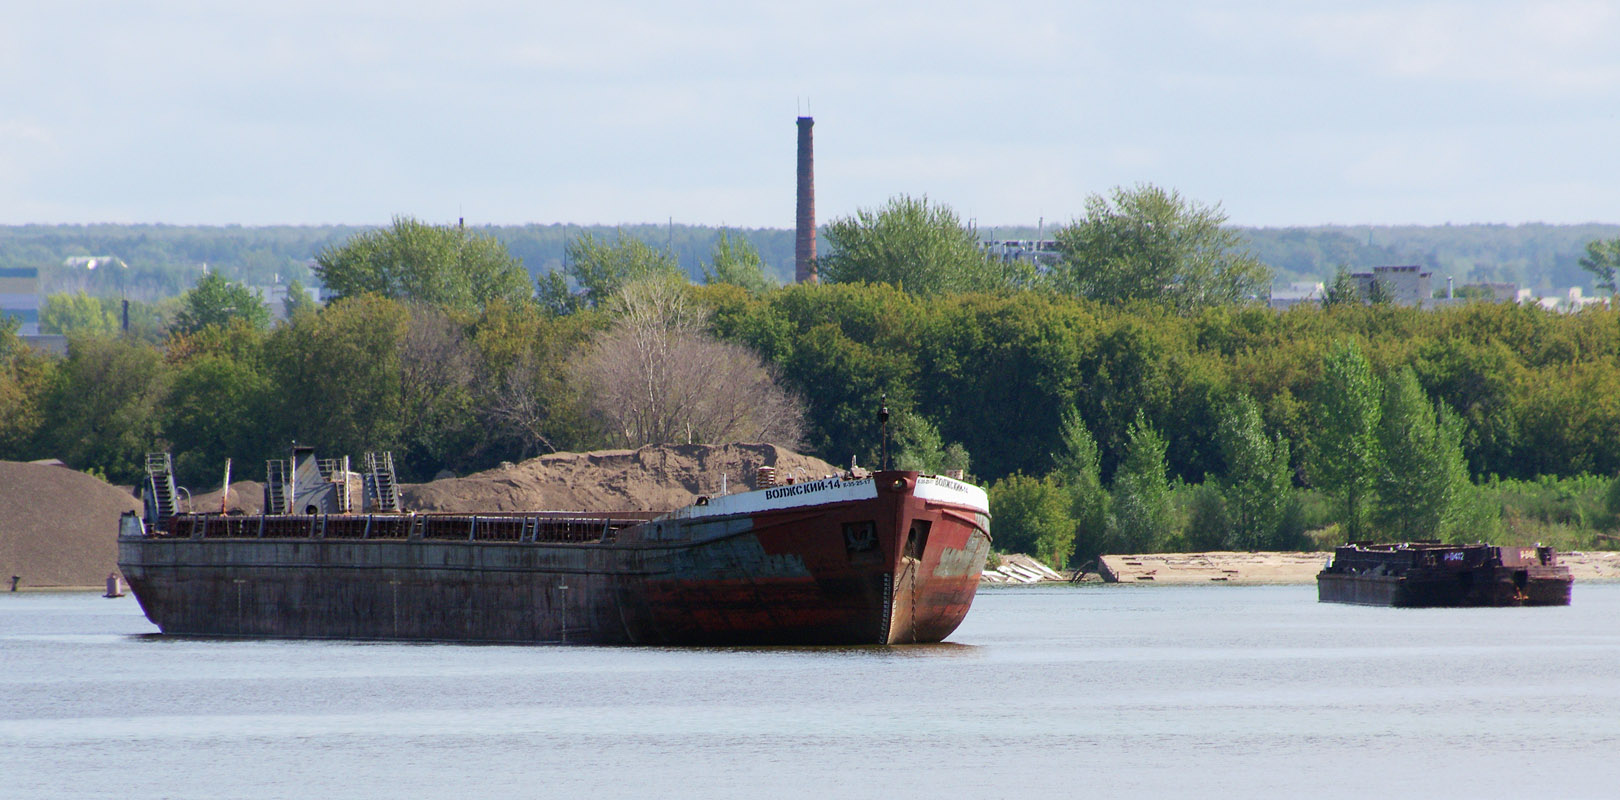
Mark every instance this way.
x=1428 y=575
x=877 y=558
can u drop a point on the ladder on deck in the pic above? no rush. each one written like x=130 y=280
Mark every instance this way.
x=276 y=497
x=161 y=498
x=382 y=487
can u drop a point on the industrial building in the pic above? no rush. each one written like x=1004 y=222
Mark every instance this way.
x=19 y=297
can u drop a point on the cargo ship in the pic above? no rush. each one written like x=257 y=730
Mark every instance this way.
x=884 y=557
x=1428 y=574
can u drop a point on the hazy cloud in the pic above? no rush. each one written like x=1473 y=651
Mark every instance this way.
x=348 y=111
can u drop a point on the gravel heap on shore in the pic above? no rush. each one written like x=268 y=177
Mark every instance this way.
x=58 y=527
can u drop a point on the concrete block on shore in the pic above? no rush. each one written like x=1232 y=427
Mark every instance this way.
x=1213 y=567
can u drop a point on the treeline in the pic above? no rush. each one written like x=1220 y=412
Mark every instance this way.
x=1130 y=396
x=441 y=390
x=436 y=348
x=164 y=260
x=155 y=262
x=1530 y=389
x=1535 y=256
x=996 y=375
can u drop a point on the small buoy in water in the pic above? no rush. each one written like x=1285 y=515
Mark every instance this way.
x=115 y=587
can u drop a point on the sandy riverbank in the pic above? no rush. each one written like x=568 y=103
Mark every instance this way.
x=1277 y=568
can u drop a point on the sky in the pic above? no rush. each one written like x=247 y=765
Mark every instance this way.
x=1283 y=113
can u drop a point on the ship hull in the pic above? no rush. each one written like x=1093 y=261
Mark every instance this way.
x=861 y=565
x=1486 y=588
x=1422 y=576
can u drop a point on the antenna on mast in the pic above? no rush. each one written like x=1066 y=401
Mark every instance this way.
x=883 y=423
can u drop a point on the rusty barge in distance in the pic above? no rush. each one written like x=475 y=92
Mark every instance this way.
x=877 y=558
x=1427 y=574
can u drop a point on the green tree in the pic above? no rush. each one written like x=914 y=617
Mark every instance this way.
x=435 y=264
x=1468 y=293
x=601 y=269
x=1209 y=525
x=552 y=294
x=298 y=301
x=1423 y=477
x=1032 y=516
x=78 y=313
x=1257 y=484
x=737 y=263
x=1148 y=243
x=1345 y=457
x=438 y=374
x=217 y=402
x=26 y=376
x=1343 y=291
x=216 y=301
x=103 y=408
x=979 y=355
x=1141 y=496
x=842 y=347
x=526 y=402
x=338 y=378
x=1078 y=467
x=1602 y=259
x=912 y=244
x=917 y=445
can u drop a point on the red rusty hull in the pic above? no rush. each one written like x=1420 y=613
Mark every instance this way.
x=914 y=583
x=889 y=568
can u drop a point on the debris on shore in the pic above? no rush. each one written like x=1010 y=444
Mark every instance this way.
x=1019 y=568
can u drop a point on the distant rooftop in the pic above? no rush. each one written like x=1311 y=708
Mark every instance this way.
x=91 y=262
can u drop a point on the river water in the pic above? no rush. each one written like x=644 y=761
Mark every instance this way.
x=1109 y=690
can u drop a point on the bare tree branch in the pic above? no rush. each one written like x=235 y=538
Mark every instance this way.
x=656 y=377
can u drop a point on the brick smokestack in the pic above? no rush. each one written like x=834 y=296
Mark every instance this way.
x=804 y=235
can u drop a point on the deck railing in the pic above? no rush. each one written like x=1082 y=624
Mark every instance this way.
x=538 y=527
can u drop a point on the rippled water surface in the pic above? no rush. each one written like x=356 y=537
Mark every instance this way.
x=1105 y=690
